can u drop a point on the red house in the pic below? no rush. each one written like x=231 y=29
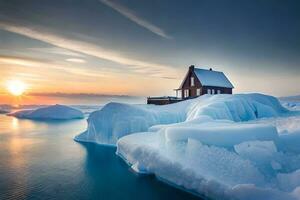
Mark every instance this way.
x=197 y=82
x=203 y=81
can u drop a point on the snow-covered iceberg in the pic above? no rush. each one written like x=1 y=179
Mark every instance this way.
x=116 y=120
x=242 y=146
x=4 y=109
x=53 y=112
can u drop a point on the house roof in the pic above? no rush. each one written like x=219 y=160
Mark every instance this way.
x=212 y=78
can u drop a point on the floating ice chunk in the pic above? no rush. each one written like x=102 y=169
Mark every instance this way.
x=4 y=111
x=54 y=112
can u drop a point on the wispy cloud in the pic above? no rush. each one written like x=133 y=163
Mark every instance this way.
x=138 y=20
x=26 y=62
x=134 y=65
x=75 y=60
x=79 y=95
x=57 y=50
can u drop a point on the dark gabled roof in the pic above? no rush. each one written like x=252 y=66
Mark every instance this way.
x=210 y=78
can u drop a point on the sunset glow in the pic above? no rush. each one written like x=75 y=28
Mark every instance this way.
x=16 y=87
x=148 y=55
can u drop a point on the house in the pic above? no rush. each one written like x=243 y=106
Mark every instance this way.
x=197 y=82
x=203 y=81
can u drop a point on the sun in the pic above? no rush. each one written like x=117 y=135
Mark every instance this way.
x=16 y=87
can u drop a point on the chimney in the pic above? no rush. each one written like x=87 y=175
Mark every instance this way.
x=210 y=69
x=192 y=67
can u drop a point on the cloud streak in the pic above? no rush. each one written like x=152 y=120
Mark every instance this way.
x=138 y=66
x=56 y=50
x=80 y=95
x=10 y=60
x=75 y=60
x=133 y=17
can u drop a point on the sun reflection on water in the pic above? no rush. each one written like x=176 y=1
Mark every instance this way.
x=15 y=123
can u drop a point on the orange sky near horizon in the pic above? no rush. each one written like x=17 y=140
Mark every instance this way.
x=66 y=83
x=52 y=81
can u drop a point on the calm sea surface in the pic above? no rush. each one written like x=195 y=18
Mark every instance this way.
x=40 y=160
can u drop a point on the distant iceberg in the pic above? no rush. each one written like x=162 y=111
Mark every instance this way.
x=53 y=112
x=4 y=109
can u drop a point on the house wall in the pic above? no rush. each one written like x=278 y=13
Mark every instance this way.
x=222 y=89
x=187 y=84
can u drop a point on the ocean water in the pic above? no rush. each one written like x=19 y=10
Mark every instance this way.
x=40 y=160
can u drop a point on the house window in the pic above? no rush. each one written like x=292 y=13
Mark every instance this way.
x=213 y=91
x=219 y=91
x=192 y=81
x=186 y=93
x=178 y=93
x=208 y=91
x=198 y=91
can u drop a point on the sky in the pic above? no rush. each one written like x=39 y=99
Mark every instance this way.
x=75 y=49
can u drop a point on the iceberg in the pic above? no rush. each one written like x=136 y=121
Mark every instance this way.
x=4 y=109
x=53 y=112
x=243 y=146
x=116 y=120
